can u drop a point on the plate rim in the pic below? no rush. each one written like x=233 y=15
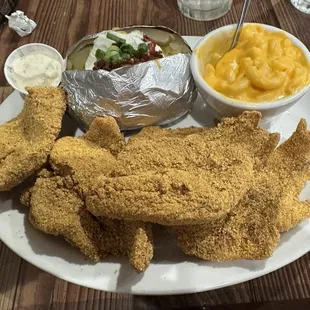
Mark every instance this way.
x=141 y=291
x=163 y=293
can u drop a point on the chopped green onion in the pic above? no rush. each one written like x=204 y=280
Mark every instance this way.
x=128 y=49
x=113 y=48
x=99 y=53
x=111 y=53
x=115 y=38
x=126 y=56
x=116 y=59
x=143 y=48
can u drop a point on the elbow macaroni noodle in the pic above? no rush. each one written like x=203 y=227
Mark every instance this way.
x=264 y=66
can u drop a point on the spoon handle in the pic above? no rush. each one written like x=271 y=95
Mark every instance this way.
x=246 y=5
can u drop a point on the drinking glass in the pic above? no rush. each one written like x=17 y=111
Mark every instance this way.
x=302 y=5
x=204 y=9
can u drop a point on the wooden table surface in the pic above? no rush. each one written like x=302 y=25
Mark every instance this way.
x=62 y=23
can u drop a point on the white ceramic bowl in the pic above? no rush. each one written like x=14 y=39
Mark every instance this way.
x=25 y=50
x=222 y=106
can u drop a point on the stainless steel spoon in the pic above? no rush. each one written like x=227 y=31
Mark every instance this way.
x=246 y=5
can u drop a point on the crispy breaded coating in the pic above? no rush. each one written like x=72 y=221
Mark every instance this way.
x=58 y=210
x=26 y=141
x=96 y=238
x=57 y=204
x=154 y=149
x=248 y=232
x=85 y=157
x=291 y=163
x=26 y=194
x=175 y=197
x=140 y=247
x=106 y=134
x=81 y=159
x=244 y=130
x=184 y=176
x=25 y=197
x=271 y=206
x=155 y=131
x=133 y=238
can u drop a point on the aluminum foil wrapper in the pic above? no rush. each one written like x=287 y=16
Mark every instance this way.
x=152 y=93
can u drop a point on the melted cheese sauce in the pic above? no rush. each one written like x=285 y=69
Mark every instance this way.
x=264 y=66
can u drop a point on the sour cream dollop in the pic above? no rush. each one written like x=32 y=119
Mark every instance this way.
x=133 y=38
x=36 y=69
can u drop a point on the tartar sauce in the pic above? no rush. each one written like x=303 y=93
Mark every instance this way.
x=36 y=69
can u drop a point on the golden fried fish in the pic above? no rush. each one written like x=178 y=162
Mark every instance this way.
x=183 y=176
x=271 y=206
x=26 y=140
x=57 y=203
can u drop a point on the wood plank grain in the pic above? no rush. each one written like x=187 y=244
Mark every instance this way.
x=9 y=271
x=231 y=295
x=292 y=20
x=5 y=91
x=291 y=282
x=35 y=288
x=70 y=296
x=62 y=23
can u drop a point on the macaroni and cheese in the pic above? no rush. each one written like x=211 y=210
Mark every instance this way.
x=264 y=66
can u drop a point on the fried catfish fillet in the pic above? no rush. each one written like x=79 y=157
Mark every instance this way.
x=154 y=148
x=57 y=204
x=26 y=141
x=173 y=196
x=57 y=209
x=252 y=230
x=183 y=177
x=291 y=164
x=105 y=133
x=248 y=232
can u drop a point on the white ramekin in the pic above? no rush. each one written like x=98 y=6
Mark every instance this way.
x=25 y=50
x=222 y=106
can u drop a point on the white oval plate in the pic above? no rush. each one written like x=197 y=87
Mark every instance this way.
x=171 y=272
